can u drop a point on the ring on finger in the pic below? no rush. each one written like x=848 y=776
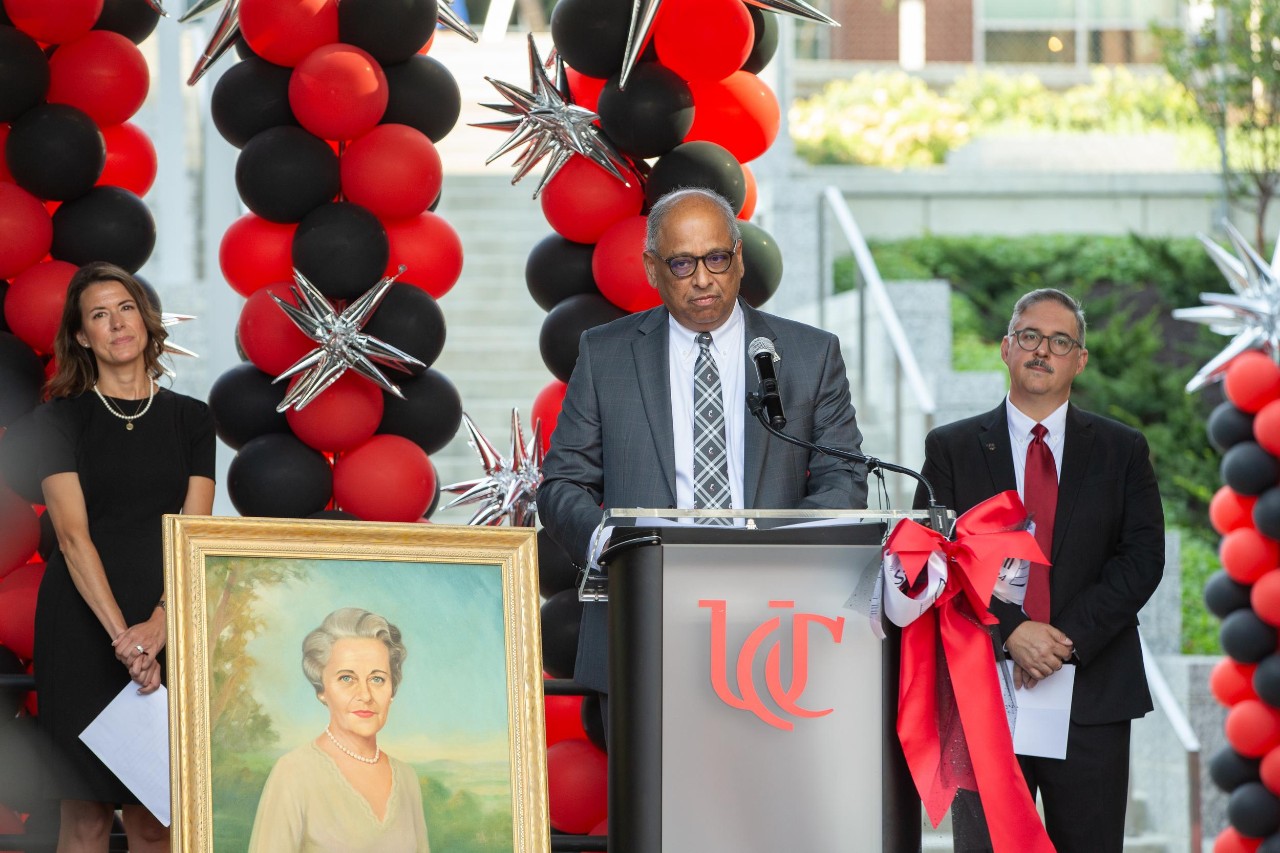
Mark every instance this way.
x=140 y=649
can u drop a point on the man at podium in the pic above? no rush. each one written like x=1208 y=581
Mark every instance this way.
x=655 y=414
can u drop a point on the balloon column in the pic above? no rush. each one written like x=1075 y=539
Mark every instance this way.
x=336 y=110
x=1245 y=593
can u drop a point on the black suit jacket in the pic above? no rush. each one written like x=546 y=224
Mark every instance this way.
x=1108 y=543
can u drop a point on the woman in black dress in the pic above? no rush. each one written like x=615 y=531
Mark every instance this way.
x=117 y=452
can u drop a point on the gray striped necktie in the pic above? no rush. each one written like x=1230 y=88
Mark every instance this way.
x=710 y=455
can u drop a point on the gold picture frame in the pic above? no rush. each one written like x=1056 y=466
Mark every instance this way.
x=242 y=594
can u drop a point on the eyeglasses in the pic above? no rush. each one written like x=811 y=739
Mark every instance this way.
x=1029 y=340
x=683 y=266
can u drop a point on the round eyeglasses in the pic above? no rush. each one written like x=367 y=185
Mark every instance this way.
x=1029 y=340
x=683 y=266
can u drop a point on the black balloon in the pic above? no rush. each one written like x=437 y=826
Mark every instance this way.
x=4 y=291
x=1248 y=469
x=557 y=269
x=698 y=164
x=131 y=19
x=1228 y=426
x=652 y=115
x=105 y=224
x=48 y=537
x=21 y=377
x=334 y=515
x=342 y=248
x=409 y=319
x=556 y=572
x=1253 y=810
x=244 y=403
x=1229 y=769
x=761 y=264
x=591 y=35
x=1269 y=845
x=55 y=152
x=11 y=698
x=765 y=43
x=1266 y=680
x=422 y=94
x=277 y=476
x=390 y=30
x=1246 y=637
x=561 y=617
x=1266 y=513
x=430 y=413
x=252 y=96
x=24 y=73
x=564 y=325
x=593 y=721
x=1224 y=595
x=284 y=173
x=153 y=295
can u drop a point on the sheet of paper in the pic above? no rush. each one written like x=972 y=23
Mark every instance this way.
x=1044 y=714
x=131 y=736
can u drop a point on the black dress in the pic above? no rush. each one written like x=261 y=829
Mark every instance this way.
x=129 y=478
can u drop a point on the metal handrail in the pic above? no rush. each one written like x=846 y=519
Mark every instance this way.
x=1181 y=726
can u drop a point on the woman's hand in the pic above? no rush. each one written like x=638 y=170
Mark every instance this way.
x=138 y=645
x=148 y=677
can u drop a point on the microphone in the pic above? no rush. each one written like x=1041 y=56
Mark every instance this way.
x=763 y=354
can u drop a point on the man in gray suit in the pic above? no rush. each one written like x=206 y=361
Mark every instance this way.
x=625 y=435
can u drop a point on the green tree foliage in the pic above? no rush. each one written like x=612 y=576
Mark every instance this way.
x=1232 y=66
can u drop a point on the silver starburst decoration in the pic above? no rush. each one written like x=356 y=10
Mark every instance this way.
x=549 y=123
x=1251 y=315
x=158 y=7
x=342 y=346
x=508 y=490
x=170 y=319
x=644 y=12
x=450 y=19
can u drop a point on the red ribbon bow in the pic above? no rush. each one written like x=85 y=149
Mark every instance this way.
x=951 y=634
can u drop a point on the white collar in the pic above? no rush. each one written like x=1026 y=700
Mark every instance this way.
x=687 y=339
x=1020 y=424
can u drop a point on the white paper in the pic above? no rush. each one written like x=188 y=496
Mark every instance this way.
x=131 y=737
x=1044 y=714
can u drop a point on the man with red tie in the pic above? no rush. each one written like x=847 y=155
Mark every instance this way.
x=1088 y=486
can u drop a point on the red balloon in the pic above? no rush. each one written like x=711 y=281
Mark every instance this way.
x=268 y=337
x=1232 y=681
x=5 y=174
x=393 y=170
x=703 y=39
x=131 y=159
x=1247 y=555
x=19 y=531
x=104 y=74
x=546 y=407
x=1265 y=598
x=1231 y=841
x=429 y=249
x=388 y=478
x=753 y=194
x=584 y=90
x=564 y=719
x=577 y=779
x=26 y=227
x=255 y=253
x=1252 y=380
x=33 y=305
x=54 y=22
x=1229 y=510
x=618 y=266
x=284 y=33
x=1266 y=427
x=739 y=112
x=344 y=416
x=18 y=604
x=583 y=200
x=1253 y=728
x=1269 y=770
x=338 y=92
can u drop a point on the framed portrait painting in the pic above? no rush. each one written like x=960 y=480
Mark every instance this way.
x=354 y=686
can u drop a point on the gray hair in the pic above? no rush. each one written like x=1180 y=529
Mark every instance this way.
x=1049 y=294
x=344 y=624
x=663 y=206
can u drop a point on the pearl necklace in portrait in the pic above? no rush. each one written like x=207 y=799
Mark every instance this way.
x=128 y=419
x=377 y=751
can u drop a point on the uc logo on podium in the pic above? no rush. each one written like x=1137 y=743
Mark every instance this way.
x=786 y=698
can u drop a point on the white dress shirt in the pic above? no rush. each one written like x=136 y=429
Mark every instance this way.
x=1020 y=438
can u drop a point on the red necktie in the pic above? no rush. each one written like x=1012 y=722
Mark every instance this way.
x=1040 y=496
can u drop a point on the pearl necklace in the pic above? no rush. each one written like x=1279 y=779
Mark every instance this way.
x=377 y=751
x=128 y=419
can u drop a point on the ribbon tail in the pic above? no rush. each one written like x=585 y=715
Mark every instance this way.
x=917 y=718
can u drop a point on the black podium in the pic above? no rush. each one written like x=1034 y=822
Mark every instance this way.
x=752 y=707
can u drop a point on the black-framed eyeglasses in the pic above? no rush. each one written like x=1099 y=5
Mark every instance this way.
x=683 y=266
x=1029 y=340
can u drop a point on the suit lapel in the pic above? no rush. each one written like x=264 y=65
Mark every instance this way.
x=650 y=356
x=755 y=440
x=998 y=452
x=1077 y=447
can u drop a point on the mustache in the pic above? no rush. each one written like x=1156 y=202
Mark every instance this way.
x=1039 y=362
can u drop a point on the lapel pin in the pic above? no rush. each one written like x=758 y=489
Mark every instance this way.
x=991 y=445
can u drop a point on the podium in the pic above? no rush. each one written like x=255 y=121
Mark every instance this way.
x=752 y=708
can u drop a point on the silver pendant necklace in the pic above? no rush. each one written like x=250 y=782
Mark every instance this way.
x=128 y=419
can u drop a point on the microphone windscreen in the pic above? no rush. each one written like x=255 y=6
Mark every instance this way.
x=762 y=345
